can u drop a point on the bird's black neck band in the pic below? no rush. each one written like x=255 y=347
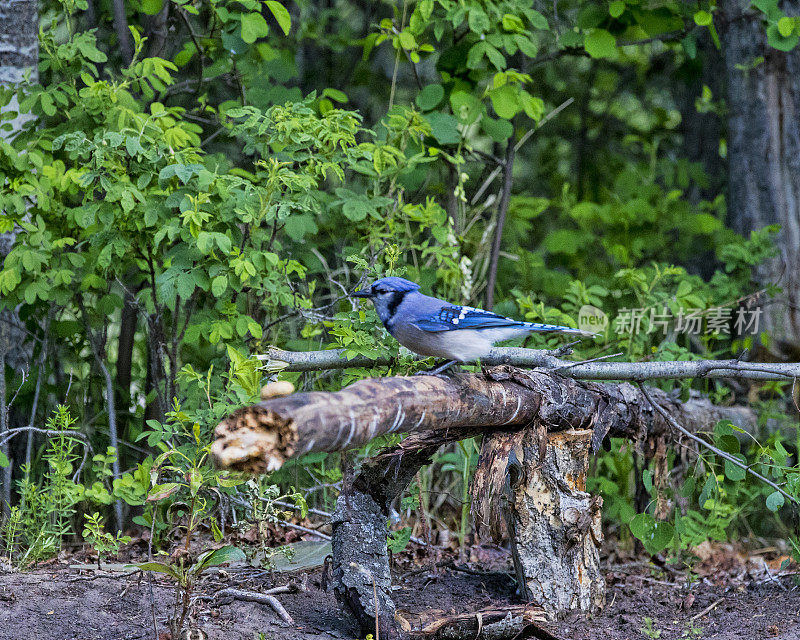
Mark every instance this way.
x=391 y=308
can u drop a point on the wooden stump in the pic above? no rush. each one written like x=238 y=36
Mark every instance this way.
x=362 y=580
x=552 y=523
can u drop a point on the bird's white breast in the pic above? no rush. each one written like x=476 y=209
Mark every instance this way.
x=463 y=345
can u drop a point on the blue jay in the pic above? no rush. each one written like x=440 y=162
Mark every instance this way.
x=432 y=327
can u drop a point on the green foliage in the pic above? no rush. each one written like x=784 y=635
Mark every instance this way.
x=186 y=574
x=719 y=497
x=37 y=526
x=227 y=187
x=102 y=541
x=263 y=514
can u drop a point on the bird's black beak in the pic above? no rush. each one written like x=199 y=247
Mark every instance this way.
x=364 y=293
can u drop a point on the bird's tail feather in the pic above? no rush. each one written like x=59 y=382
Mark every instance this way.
x=554 y=328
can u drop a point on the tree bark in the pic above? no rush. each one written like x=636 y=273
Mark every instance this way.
x=260 y=438
x=553 y=525
x=551 y=512
x=764 y=155
x=502 y=210
x=495 y=623
x=19 y=55
x=125 y=343
x=362 y=580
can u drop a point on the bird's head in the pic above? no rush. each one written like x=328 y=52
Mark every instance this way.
x=387 y=294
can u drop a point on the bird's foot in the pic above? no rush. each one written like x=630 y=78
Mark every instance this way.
x=436 y=370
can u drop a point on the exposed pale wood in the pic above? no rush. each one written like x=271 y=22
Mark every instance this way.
x=553 y=525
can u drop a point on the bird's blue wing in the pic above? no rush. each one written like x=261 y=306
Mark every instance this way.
x=454 y=317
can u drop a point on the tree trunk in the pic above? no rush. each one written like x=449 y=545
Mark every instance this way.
x=553 y=525
x=19 y=54
x=362 y=580
x=763 y=103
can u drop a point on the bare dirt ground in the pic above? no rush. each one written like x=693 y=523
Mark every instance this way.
x=729 y=597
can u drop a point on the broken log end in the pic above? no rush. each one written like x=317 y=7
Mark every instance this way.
x=254 y=439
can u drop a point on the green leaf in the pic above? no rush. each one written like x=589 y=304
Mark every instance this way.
x=475 y=54
x=466 y=107
x=655 y=536
x=151 y=7
x=254 y=26
x=647 y=480
x=538 y=21
x=430 y=97
x=162 y=491
x=407 y=40
x=159 y=567
x=786 y=26
x=702 y=18
x=779 y=42
x=497 y=129
x=601 y=44
x=281 y=15
x=532 y=106
x=616 y=8
x=769 y=8
x=734 y=472
x=90 y=51
x=775 y=500
x=4 y=461
x=495 y=57
x=398 y=540
x=335 y=95
x=513 y=23
x=47 y=104
x=219 y=284
x=505 y=101
x=444 y=128
x=728 y=443
x=300 y=225
x=526 y=45
x=478 y=20
x=220 y=556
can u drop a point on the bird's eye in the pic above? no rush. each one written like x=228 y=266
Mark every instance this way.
x=380 y=292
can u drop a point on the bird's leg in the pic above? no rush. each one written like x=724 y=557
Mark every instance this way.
x=436 y=370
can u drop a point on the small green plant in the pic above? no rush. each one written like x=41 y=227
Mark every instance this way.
x=648 y=628
x=102 y=541
x=186 y=574
x=692 y=631
x=39 y=523
x=264 y=514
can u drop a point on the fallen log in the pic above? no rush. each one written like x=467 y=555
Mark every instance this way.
x=260 y=438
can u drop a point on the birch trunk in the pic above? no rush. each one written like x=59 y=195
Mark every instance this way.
x=19 y=55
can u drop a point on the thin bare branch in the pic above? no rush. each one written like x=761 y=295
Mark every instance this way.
x=277 y=360
x=719 y=452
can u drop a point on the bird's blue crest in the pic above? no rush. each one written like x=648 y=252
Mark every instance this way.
x=396 y=284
